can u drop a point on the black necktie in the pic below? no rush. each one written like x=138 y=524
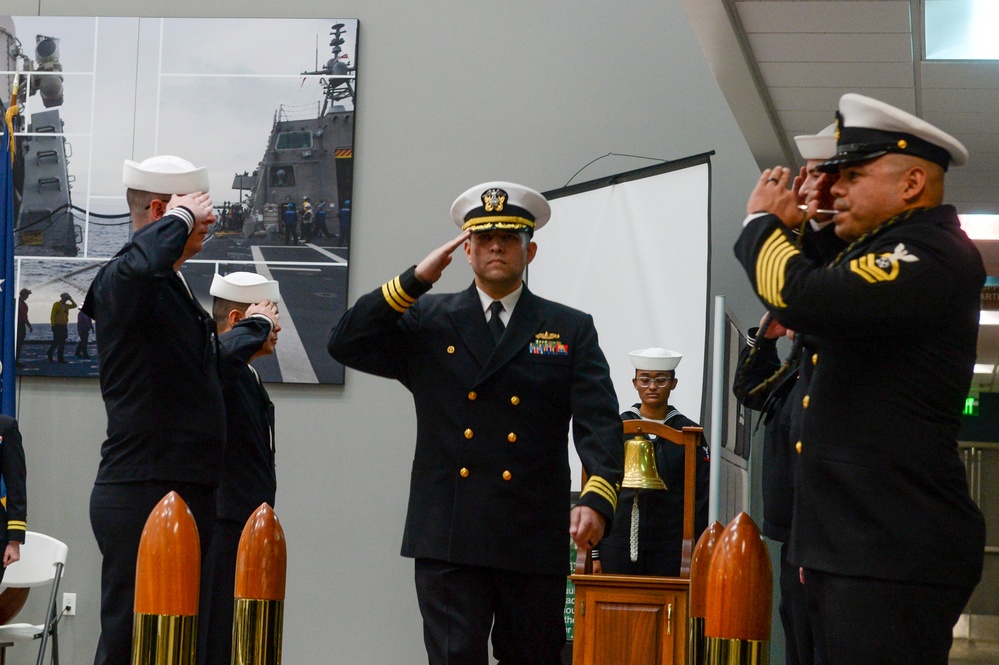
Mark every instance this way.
x=496 y=326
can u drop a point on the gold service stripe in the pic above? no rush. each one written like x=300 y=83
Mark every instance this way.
x=600 y=486
x=396 y=297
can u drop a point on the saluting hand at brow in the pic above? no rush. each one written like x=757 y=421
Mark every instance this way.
x=431 y=268
x=773 y=196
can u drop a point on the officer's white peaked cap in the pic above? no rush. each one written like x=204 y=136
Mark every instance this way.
x=165 y=174
x=505 y=206
x=655 y=359
x=245 y=287
x=867 y=128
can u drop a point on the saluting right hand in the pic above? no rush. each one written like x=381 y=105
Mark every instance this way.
x=265 y=307
x=431 y=268
x=772 y=195
x=199 y=203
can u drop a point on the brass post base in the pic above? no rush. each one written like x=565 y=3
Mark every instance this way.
x=695 y=641
x=164 y=639
x=724 y=651
x=256 y=631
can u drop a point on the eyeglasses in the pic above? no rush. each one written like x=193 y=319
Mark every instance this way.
x=660 y=381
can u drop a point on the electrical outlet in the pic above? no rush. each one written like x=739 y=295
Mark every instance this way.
x=69 y=603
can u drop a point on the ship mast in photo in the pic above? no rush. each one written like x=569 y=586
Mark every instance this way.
x=310 y=152
x=305 y=175
x=43 y=209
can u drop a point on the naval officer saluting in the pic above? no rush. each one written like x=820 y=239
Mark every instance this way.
x=496 y=374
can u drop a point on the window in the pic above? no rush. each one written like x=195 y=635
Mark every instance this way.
x=294 y=141
x=961 y=29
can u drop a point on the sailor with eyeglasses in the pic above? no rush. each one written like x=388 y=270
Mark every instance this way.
x=660 y=522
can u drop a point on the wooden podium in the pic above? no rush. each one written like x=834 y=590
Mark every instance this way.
x=630 y=620
x=633 y=619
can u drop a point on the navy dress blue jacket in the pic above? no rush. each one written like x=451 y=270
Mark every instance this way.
x=881 y=491
x=490 y=479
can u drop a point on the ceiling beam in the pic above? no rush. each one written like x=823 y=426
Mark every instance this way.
x=723 y=40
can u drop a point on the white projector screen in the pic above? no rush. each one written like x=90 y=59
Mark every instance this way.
x=633 y=250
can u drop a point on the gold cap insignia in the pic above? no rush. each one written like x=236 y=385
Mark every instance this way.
x=494 y=199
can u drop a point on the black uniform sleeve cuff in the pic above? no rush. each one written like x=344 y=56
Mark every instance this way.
x=185 y=215
x=15 y=530
x=600 y=495
x=757 y=341
x=263 y=317
x=400 y=293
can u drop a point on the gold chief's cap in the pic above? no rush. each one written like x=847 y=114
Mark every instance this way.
x=867 y=128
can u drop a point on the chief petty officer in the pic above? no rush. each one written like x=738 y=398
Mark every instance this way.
x=890 y=541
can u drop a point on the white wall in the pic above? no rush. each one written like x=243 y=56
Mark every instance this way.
x=450 y=93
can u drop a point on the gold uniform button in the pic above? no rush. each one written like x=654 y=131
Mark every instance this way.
x=797 y=447
x=805 y=401
x=515 y=400
x=450 y=349
x=469 y=434
x=463 y=473
x=507 y=475
x=473 y=395
x=815 y=359
x=511 y=437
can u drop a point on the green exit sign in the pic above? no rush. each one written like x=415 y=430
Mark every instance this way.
x=970 y=406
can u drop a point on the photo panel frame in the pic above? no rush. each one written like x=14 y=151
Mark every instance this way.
x=267 y=105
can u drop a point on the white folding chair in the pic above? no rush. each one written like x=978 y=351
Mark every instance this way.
x=43 y=559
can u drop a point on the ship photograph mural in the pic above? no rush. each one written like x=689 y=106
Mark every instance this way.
x=266 y=105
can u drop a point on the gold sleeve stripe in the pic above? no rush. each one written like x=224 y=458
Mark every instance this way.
x=777 y=274
x=763 y=262
x=771 y=281
x=771 y=265
x=396 y=297
x=17 y=524
x=388 y=298
x=598 y=485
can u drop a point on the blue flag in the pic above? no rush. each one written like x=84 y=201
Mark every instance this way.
x=7 y=339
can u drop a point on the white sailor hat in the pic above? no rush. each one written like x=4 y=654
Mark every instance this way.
x=245 y=287
x=165 y=174
x=505 y=206
x=655 y=359
x=818 y=146
x=867 y=128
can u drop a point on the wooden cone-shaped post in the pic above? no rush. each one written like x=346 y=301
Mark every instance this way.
x=699 y=563
x=261 y=567
x=740 y=588
x=167 y=578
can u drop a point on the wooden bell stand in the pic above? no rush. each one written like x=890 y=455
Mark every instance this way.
x=638 y=619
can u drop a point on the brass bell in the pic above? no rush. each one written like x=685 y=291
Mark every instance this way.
x=640 y=465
